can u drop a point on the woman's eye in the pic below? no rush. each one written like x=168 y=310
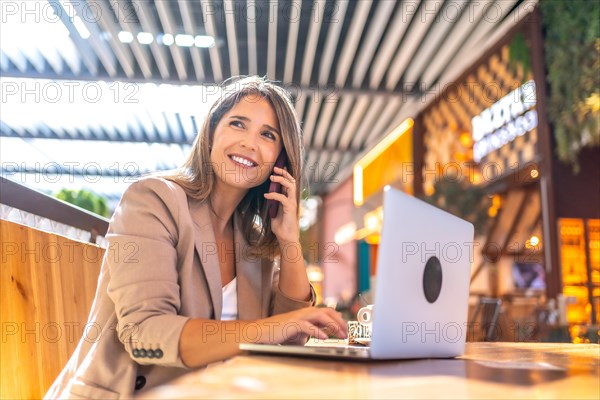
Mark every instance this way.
x=238 y=124
x=269 y=135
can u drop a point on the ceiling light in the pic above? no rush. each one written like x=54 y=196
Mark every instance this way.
x=145 y=37
x=184 y=40
x=125 y=37
x=167 y=39
x=204 y=41
x=534 y=240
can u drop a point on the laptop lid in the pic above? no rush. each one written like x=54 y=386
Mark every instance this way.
x=422 y=281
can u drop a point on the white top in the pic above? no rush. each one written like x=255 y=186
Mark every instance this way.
x=230 y=310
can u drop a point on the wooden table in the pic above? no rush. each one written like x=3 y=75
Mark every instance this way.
x=487 y=370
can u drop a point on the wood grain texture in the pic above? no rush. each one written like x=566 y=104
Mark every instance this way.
x=47 y=285
x=486 y=371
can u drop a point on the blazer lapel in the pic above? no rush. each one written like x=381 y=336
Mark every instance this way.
x=206 y=247
x=249 y=276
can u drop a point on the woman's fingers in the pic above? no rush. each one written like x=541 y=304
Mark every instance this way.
x=284 y=172
x=332 y=321
x=300 y=324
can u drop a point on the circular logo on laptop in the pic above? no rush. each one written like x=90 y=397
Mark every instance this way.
x=432 y=279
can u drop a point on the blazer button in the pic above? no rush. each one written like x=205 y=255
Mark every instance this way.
x=136 y=353
x=143 y=353
x=158 y=353
x=140 y=382
x=150 y=353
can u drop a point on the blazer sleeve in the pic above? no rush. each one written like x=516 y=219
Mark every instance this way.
x=280 y=303
x=142 y=261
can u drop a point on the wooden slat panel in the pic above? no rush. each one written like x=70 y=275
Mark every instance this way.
x=47 y=288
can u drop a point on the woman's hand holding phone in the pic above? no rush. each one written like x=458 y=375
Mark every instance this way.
x=281 y=200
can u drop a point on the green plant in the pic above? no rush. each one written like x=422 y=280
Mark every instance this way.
x=85 y=199
x=459 y=197
x=572 y=52
x=519 y=54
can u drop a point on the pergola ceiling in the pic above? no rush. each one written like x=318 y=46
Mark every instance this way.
x=356 y=68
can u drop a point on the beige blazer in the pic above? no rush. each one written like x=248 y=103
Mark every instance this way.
x=161 y=269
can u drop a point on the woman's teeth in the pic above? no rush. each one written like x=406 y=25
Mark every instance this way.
x=242 y=161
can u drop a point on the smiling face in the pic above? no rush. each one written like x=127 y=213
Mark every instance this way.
x=246 y=143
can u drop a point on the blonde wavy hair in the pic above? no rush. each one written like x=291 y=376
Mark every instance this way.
x=196 y=175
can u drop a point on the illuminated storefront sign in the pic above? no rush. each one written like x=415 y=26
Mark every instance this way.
x=505 y=120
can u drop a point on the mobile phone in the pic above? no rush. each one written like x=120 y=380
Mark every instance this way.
x=273 y=205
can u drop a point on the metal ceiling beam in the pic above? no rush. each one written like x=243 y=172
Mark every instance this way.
x=148 y=24
x=101 y=48
x=139 y=52
x=433 y=40
x=299 y=106
x=380 y=127
x=356 y=116
x=189 y=26
x=314 y=29
x=351 y=41
x=17 y=58
x=390 y=42
x=290 y=55
x=367 y=124
x=234 y=63
x=473 y=47
x=272 y=45
x=251 y=27
x=333 y=35
x=311 y=119
x=169 y=25
x=35 y=58
x=340 y=118
x=372 y=37
x=120 y=50
x=208 y=10
x=312 y=40
x=324 y=121
x=451 y=45
x=424 y=18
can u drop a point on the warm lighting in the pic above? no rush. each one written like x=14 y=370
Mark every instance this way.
x=533 y=242
x=373 y=238
x=358 y=184
x=496 y=201
x=475 y=178
x=371 y=222
x=373 y=154
x=429 y=189
x=534 y=173
x=466 y=140
x=345 y=233
x=314 y=273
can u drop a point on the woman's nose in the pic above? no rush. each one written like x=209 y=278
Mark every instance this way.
x=249 y=141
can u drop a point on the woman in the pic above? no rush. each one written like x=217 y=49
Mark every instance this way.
x=191 y=267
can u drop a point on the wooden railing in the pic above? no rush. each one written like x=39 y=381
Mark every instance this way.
x=47 y=285
x=15 y=195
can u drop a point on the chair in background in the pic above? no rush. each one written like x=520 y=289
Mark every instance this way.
x=490 y=309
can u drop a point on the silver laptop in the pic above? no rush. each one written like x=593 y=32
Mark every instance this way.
x=421 y=287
